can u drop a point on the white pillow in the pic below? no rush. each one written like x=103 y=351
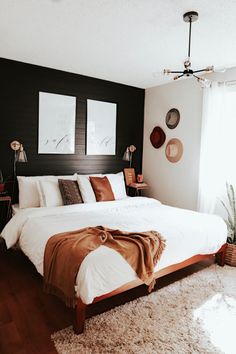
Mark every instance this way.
x=50 y=195
x=86 y=189
x=28 y=189
x=117 y=183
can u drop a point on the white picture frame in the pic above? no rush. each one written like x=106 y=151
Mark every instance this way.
x=57 y=117
x=101 y=128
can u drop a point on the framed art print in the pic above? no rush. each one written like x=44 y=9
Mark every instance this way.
x=101 y=128
x=56 y=123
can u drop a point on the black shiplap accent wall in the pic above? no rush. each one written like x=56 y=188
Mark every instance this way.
x=20 y=86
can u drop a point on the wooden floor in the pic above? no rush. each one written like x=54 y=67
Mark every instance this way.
x=28 y=316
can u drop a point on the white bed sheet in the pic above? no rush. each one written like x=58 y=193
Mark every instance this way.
x=187 y=233
x=15 y=208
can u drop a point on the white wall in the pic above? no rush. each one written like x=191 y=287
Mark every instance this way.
x=175 y=184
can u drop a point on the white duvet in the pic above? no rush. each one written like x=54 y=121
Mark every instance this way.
x=187 y=233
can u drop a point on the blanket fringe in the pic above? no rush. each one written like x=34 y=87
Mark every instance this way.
x=152 y=285
x=161 y=248
x=52 y=290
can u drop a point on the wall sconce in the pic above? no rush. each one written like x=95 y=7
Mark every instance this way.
x=19 y=154
x=128 y=154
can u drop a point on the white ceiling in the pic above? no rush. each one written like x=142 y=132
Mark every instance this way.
x=124 y=41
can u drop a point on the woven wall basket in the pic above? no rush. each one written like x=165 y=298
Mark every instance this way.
x=230 y=256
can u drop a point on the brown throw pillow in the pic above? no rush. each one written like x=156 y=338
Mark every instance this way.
x=102 y=189
x=70 y=192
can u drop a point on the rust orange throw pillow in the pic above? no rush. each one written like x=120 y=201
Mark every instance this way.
x=102 y=189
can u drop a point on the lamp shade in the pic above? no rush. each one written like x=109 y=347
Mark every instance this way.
x=126 y=156
x=21 y=155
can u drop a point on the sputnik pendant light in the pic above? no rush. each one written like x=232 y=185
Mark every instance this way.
x=190 y=17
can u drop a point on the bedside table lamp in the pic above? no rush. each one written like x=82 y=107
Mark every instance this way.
x=128 y=154
x=19 y=154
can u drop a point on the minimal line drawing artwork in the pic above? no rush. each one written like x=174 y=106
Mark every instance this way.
x=101 y=128
x=56 y=123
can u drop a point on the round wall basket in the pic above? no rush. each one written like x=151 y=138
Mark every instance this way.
x=174 y=150
x=157 y=137
x=172 y=118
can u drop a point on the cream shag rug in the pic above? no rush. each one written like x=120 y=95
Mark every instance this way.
x=194 y=315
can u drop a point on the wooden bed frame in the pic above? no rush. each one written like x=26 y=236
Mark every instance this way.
x=80 y=310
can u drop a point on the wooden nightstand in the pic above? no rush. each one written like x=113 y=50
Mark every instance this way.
x=5 y=210
x=138 y=187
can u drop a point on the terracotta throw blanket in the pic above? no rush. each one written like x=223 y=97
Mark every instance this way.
x=65 y=252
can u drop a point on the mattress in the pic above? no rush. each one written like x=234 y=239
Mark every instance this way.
x=187 y=233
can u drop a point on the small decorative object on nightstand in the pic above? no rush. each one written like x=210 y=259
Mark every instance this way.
x=5 y=210
x=129 y=176
x=140 y=178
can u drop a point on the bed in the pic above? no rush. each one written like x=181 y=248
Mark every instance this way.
x=190 y=237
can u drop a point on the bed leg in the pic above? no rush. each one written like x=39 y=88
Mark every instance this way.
x=220 y=256
x=79 y=317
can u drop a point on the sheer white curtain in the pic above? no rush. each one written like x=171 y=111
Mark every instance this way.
x=218 y=153
x=212 y=153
